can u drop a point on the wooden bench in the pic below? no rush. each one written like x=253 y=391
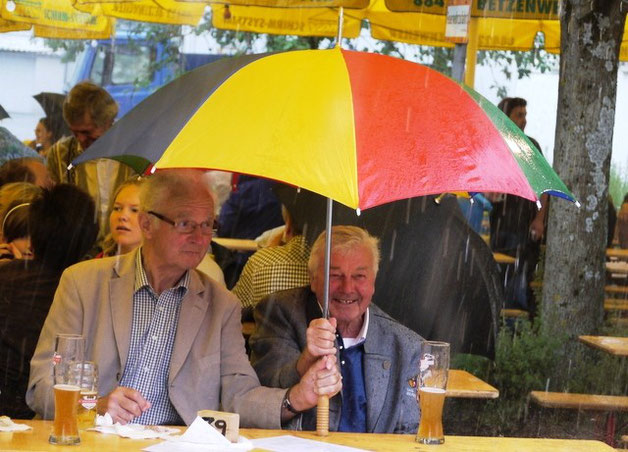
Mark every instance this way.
x=615 y=304
x=566 y=400
x=613 y=289
x=580 y=401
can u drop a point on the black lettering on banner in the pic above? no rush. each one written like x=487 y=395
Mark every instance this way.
x=530 y=6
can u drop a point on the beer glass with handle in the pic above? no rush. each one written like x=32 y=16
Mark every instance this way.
x=68 y=370
x=432 y=384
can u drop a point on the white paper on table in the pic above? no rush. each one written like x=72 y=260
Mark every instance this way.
x=104 y=424
x=201 y=432
x=289 y=443
x=243 y=444
x=200 y=436
x=7 y=425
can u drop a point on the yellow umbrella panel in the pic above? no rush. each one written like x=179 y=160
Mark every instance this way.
x=292 y=21
x=65 y=33
x=157 y=11
x=494 y=33
x=9 y=25
x=52 y=13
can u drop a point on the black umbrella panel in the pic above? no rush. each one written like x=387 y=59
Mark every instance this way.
x=436 y=275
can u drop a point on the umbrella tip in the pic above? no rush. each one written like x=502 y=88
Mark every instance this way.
x=578 y=205
x=358 y=211
x=538 y=204
x=70 y=166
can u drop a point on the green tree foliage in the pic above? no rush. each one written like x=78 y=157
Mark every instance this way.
x=618 y=185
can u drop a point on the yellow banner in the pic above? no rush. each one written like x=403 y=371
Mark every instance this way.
x=66 y=33
x=300 y=22
x=509 y=9
x=353 y=4
x=157 y=11
x=9 y=25
x=418 y=6
x=51 y=13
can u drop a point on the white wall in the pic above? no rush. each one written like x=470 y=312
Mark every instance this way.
x=23 y=75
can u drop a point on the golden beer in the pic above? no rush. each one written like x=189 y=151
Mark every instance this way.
x=431 y=401
x=87 y=409
x=65 y=426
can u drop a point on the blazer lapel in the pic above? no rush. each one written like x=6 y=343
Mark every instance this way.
x=121 y=301
x=193 y=308
x=376 y=374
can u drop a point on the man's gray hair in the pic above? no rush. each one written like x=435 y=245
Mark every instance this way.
x=169 y=185
x=343 y=240
x=87 y=97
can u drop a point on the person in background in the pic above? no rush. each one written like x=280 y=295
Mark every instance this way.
x=125 y=235
x=62 y=229
x=167 y=339
x=377 y=355
x=14 y=197
x=622 y=223
x=251 y=209
x=274 y=268
x=89 y=112
x=518 y=225
x=16 y=241
x=26 y=169
x=45 y=136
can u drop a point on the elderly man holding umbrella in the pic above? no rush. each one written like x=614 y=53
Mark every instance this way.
x=377 y=355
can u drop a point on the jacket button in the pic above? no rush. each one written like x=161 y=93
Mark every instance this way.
x=386 y=365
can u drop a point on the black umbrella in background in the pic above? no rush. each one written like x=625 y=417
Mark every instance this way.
x=3 y=113
x=52 y=104
x=436 y=275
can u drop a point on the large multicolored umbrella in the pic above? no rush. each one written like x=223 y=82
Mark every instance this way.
x=362 y=129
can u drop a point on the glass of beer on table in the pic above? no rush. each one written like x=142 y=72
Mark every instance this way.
x=68 y=371
x=88 y=395
x=432 y=384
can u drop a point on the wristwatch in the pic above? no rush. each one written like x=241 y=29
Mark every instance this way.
x=286 y=403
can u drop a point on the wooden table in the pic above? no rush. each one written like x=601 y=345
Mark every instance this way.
x=613 y=345
x=37 y=439
x=463 y=384
x=617 y=267
x=236 y=244
x=501 y=258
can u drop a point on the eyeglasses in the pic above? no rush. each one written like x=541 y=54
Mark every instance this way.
x=185 y=226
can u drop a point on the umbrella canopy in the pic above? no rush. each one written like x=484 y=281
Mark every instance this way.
x=362 y=129
x=436 y=275
x=403 y=21
x=12 y=148
x=52 y=104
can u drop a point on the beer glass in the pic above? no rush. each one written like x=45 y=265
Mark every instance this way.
x=88 y=396
x=432 y=383
x=68 y=369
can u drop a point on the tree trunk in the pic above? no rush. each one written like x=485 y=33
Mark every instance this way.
x=574 y=279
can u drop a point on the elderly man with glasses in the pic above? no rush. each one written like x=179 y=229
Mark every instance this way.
x=166 y=338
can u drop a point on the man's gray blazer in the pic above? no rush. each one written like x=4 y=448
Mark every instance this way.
x=391 y=358
x=209 y=368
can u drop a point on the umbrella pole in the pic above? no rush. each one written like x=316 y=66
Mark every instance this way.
x=322 y=412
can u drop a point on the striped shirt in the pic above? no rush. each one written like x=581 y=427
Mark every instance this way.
x=153 y=331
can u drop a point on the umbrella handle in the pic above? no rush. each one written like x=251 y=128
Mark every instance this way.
x=322 y=416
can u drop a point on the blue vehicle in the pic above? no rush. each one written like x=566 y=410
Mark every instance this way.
x=130 y=69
